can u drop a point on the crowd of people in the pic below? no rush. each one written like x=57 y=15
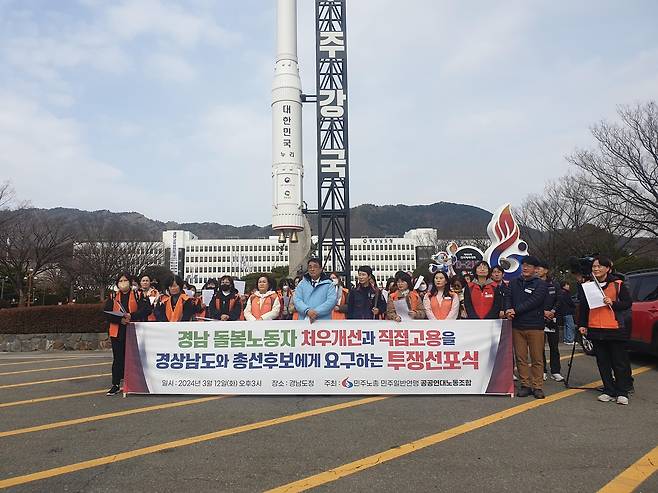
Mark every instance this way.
x=536 y=305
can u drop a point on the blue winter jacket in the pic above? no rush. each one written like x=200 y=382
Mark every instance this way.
x=321 y=298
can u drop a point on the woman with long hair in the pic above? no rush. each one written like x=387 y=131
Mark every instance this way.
x=440 y=302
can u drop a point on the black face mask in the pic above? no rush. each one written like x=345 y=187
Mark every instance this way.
x=226 y=287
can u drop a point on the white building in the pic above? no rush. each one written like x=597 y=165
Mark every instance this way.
x=199 y=260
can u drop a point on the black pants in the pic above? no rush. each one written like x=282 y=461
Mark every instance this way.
x=553 y=339
x=119 y=354
x=614 y=366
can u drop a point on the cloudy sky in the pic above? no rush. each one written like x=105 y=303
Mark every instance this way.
x=163 y=107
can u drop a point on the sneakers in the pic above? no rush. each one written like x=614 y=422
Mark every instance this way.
x=545 y=376
x=514 y=377
x=607 y=398
x=523 y=392
x=557 y=377
x=114 y=390
x=539 y=394
x=569 y=343
x=622 y=400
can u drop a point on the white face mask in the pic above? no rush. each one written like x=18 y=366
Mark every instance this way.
x=334 y=282
x=422 y=287
x=285 y=288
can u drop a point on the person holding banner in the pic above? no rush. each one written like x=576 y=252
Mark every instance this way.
x=175 y=306
x=227 y=303
x=315 y=296
x=124 y=307
x=482 y=298
x=606 y=327
x=405 y=303
x=440 y=303
x=264 y=303
x=365 y=301
x=525 y=307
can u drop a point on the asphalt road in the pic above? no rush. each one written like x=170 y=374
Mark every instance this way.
x=59 y=432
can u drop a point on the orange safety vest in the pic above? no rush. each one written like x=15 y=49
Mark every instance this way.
x=413 y=299
x=336 y=315
x=440 y=311
x=603 y=317
x=231 y=304
x=132 y=308
x=175 y=314
x=258 y=311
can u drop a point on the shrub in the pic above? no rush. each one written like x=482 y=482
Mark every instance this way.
x=53 y=319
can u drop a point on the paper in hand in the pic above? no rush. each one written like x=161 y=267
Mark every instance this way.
x=593 y=294
x=189 y=292
x=207 y=295
x=115 y=313
x=240 y=285
x=402 y=309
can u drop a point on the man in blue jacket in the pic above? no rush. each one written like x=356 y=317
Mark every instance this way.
x=525 y=307
x=315 y=296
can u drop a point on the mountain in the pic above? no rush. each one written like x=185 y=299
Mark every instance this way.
x=451 y=220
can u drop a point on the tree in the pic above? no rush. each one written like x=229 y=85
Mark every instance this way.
x=105 y=253
x=621 y=172
x=30 y=246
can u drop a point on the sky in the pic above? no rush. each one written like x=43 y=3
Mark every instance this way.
x=163 y=107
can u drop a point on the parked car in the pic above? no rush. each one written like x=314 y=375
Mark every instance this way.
x=643 y=286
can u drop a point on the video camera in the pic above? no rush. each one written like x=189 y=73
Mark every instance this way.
x=582 y=265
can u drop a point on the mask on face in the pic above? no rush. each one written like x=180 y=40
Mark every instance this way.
x=334 y=282
x=422 y=287
x=226 y=287
x=123 y=285
x=285 y=288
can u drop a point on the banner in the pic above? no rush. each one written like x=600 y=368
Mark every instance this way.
x=326 y=357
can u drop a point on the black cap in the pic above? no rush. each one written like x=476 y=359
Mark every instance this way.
x=529 y=259
x=543 y=264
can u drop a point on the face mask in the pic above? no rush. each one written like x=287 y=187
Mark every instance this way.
x=285 y=288
x=334 y=282
x=422 y=287
x=123 y=285
x=226 y=288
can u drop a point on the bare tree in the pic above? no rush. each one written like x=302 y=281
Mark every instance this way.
x=29 y=246
x=105 y=253
x=621 y=172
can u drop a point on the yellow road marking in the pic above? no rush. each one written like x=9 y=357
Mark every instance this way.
x=50 y=398
x=408 y=448
x=635 y=475
x=110 y=459
x=99 y=417
x=55 y=368
x=25 y=384
x=37 y=360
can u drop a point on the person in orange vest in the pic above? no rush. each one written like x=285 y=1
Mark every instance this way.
x=340 y=310
x=135 y=309
x=482 y=298
x=264 y=303
x=175 y=305
x=226 y=304
x=439 y=302
x=404 y=292
x=286 y=294
x=149 y=293
x=606 y=327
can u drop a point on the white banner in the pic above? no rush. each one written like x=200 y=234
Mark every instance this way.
x=326 y=357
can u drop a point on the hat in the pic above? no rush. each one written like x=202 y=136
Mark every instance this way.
x=365 y=268
x=529 y=259
x=543 y=264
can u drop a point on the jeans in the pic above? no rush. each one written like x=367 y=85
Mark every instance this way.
x=569 y=329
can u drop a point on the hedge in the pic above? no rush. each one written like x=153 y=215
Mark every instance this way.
x=53 y=319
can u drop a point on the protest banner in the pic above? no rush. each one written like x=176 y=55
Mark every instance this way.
x=326 y=357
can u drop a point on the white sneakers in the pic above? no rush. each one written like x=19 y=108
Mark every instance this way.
x=545 y=376
x=557 y=377
x=607 y=398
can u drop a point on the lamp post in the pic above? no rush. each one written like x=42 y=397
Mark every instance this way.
x=30 y=275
